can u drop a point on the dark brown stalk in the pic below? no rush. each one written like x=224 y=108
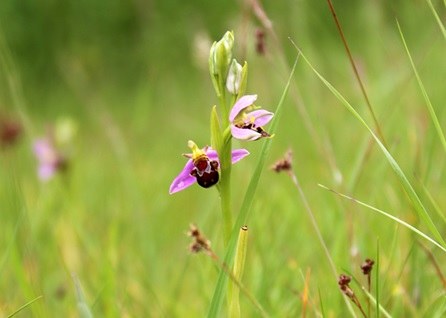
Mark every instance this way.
x=355 y=70
x=435 y=264
x=366 y=268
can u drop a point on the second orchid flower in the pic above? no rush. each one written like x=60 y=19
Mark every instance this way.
x=247 y=120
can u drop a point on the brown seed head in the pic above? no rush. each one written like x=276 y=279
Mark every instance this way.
x=200 y=242
x=367 y=266
x=284 y=164
x=344 y=280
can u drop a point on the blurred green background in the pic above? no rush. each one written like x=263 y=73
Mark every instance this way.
x=133 y=77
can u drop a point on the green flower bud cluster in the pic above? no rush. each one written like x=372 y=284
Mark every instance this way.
x=226 y=72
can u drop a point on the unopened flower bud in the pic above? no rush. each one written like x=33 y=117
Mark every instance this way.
x=219 y=61
x=234 y=78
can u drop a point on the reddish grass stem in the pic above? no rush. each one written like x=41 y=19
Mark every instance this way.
x=355 y=70
x=435 y=264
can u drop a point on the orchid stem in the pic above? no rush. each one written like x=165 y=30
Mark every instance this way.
x=224 y=153
x=225 y=168
x=225 y=197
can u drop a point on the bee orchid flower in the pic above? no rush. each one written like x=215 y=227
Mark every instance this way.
x=202 y=167
x=247 y=120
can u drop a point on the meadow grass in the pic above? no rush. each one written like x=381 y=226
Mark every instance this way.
x=105 y=239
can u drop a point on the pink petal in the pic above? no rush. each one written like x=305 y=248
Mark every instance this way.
x=242 y=103
x=261 y=117
x=239 y=154
x=244 y=134
x=212 y=154
x=236 y=156
x=184 y=179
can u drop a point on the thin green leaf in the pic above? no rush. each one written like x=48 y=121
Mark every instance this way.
x=394 y=218
x=380 y=309
x=425 y=96
x=440 y=24
x=416 y=202
x=219 y=292
x=321 y=303
x=25 y=305
x=216 y=135
x=434 y=203
x=239 y=266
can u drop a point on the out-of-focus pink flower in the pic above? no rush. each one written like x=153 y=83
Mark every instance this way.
x=50 y=160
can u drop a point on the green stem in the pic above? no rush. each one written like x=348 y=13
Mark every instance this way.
x=224 y=110
x=225 y=197
x=224 y=154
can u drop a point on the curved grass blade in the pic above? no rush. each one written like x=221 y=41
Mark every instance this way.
x=377 y=304
x=423 y=91
x=29 y=303
x=219 y=292
x=413 y=196
x=394 y=218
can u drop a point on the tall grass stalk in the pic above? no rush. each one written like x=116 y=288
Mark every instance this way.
x=379 y=309
x=310 y=214
x=25 y=306
x=355 y=70
x=421 y=210
x=313 y=221
x=388 y=215
x=435 y=264
x=437 y=18
x=432 y=113
x=324 y=151
x=434 y=203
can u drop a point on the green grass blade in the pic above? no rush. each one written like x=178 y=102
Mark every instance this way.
x=24 y=306
x=380 y=309
x=434 y=203
x=243 y=215
x=440 y=24
x=394 y=218
x=423 y=91
x=82 y=306
x=321 y=303
x=416 y=202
